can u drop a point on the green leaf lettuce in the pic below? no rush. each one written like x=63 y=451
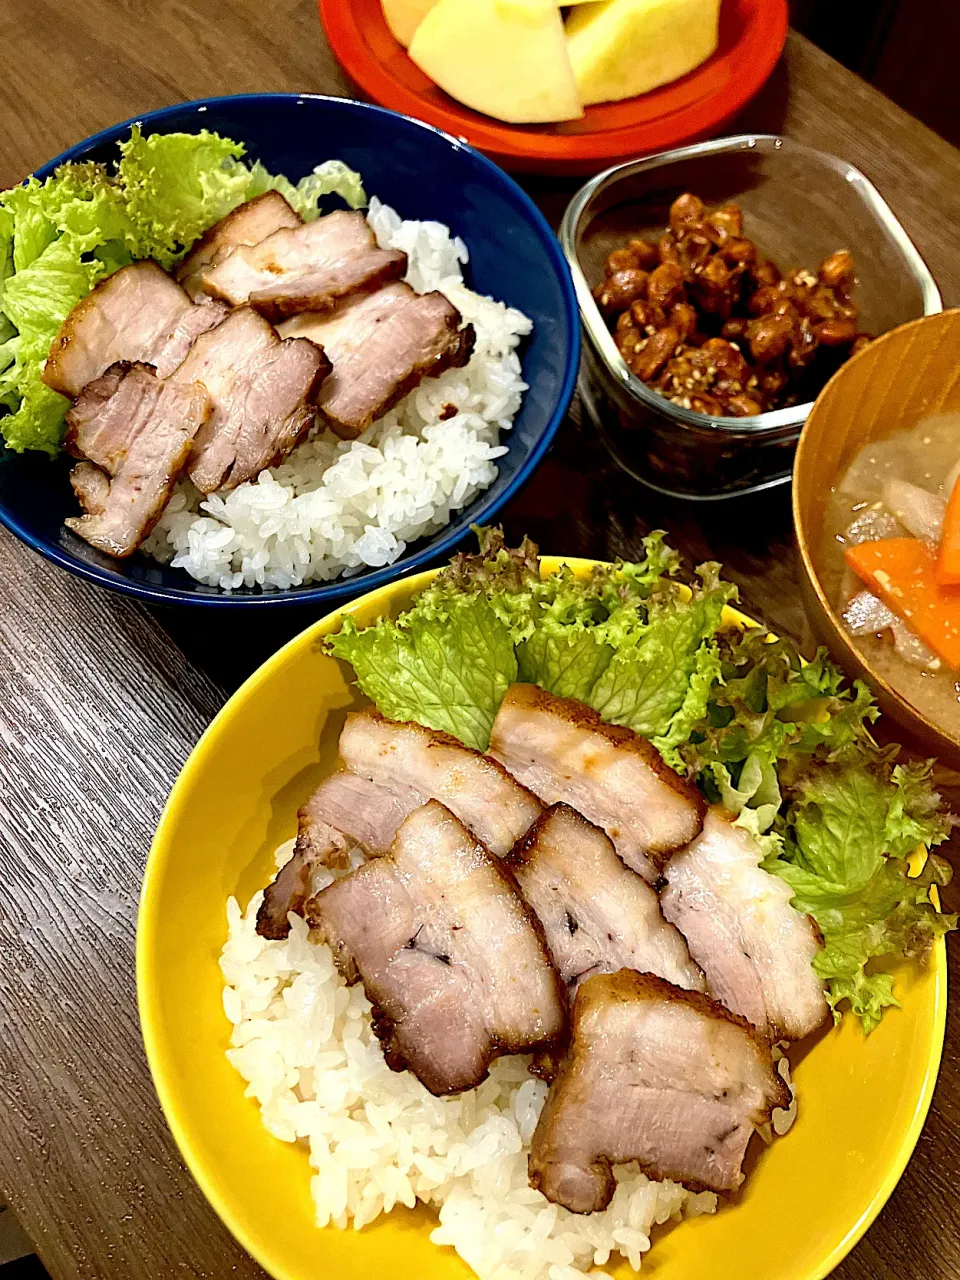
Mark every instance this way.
x=848 y=831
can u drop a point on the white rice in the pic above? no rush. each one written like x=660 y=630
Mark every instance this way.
x=376 y=1138
x=338 y=507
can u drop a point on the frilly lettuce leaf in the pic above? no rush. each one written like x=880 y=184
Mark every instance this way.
x=36 y=301
x=568 y=661
x=847 y=833
x=656 y=651
x=176 y=186
x=703 y=677
x=446 y=664
x=7 y=328
x=771 y=705
x=333 y=177
x=6 y=245
x=36 y=417
x=756 y=794
x=785 y=745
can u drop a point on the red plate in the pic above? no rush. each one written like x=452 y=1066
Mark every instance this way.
x=752 y=34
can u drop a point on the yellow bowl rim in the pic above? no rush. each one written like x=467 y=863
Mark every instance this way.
x=148 y=924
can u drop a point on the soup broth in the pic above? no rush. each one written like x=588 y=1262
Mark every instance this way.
x=895 y=488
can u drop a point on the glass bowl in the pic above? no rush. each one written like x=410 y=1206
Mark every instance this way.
x=799 y=206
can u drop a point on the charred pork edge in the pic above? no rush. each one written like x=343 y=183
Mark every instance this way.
x=643 y=983
x=584 y=717
x=269 y=924
x=188 y=265
x=455 y=358
x=272 y=923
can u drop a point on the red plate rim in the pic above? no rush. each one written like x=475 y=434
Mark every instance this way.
x=350 y=25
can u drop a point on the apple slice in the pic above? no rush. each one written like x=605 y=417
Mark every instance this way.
x=404 y=16
x=620 y=48
x=506 y=58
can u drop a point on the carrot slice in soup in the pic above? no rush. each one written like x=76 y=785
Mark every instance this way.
x=902 y=572
x=948 y=561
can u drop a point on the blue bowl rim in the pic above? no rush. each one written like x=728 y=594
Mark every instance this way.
x=339 y=588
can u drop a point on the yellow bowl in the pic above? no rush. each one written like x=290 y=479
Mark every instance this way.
x=804 y=1206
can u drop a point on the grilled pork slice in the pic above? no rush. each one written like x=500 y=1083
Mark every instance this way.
x=91 y=487
x=138 y=431
x=305 y=268
x=247 y=225
x=449 y=955
x=654 y=1074
x=137 y=314
x=407 y=757
x=754 y=947
x=345 y=812
x=382 y=345
x=562 y=750
x=263 y=392
x=598 y=916
x=392 y=769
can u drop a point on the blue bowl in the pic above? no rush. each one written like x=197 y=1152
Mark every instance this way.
x=423 y=173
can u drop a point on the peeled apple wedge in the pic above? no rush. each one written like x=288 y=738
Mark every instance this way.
x=506 y=58
x=404 y=16
x=620 y=48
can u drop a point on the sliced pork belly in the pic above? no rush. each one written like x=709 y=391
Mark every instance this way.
x=305 y=268
x=449 y=955
x=392 y=769
x=91 y=487
x=247 y=225
x=382 y=345
x=137 y=314
x=370 y=815
x=263 y=392
x=345 y=812
x=654 y=1074
x=563 y=751
x=136 y=432
x=755 y=949
x=405 y=757
x=598 y=916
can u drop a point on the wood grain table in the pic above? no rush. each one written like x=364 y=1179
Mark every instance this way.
x=101 y=699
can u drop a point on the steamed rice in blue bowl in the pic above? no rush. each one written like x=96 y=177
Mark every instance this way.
x=333 y=512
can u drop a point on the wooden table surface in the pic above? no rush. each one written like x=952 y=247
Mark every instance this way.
x=101 y=699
